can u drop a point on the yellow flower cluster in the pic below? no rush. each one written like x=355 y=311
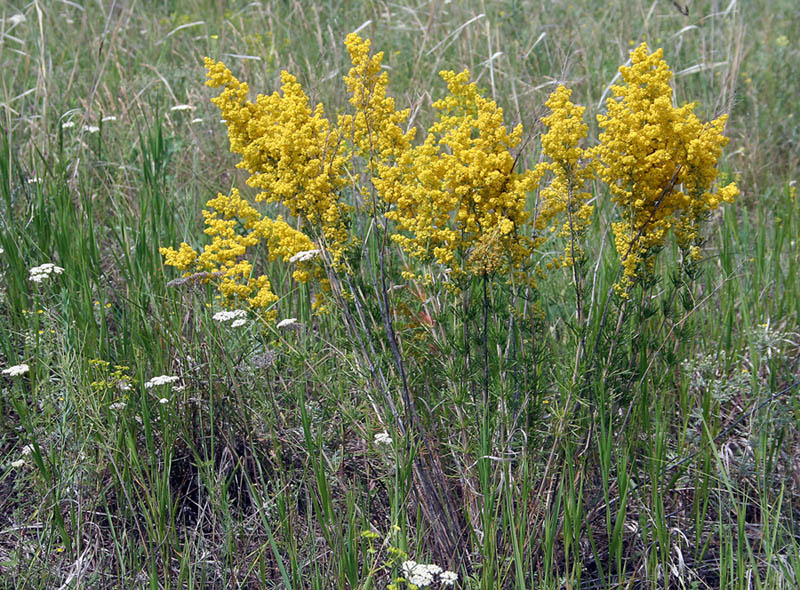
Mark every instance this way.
x=376 y=128
x=571 y=170
x=292 y=153
x=659 y=162
x=457 y=198
x=227 y=252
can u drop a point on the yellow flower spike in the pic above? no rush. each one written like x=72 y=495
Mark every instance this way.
x=457 y=198
x=659 y=162
x=291 y=151
x=571 y=170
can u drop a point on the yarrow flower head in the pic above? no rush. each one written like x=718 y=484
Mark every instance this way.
x=287 y=322
x=383 y=438
x=40 y=273
x=16 y=370
x=421 y=574
x=161 y=380
x=226 y=316
x=304 y=256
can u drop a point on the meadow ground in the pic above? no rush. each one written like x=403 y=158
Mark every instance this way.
x=547 y=437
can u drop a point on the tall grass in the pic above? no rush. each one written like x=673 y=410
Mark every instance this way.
x=670 y=462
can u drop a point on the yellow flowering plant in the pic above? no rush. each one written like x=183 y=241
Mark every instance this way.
x=659 y=162
x=458 y=201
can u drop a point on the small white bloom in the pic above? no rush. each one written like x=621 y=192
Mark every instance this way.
x=27 y=450
x=2 y=251
x=179 y=388
x=448 y=578
x=287 y=322
x=68 y=125
x=383 y=438
x=16 y=370
x=182 y=107
x=124 y=386
x=108 y=118
x=238 y=323
x=226 y=316
x=91 y=128
x=304 y=256
x=18 y=463
x=163 y=401
x=42 y=272
x=421 y=574
x=197 y=120
x=34 y=180
x=160 y=380
x=117 y=406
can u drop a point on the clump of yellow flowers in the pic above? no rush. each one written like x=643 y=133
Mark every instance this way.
x=459 y=198
x=659 y=162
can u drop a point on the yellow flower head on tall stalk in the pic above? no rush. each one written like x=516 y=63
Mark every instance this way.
x=571 y=171
x=459 y=199
x=659 y=162
x=376 y=128
x=291 y=151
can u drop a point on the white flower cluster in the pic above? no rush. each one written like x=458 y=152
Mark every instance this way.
x=45 y=271
x=303 y=256
x=383 y=438
x=16 y=370
x=237 y=315
x=160 y=380
x=287 y=322
x=422 y=574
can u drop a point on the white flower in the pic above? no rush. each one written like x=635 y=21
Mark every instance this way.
x=226 y=316
x=287 y=322
x=304 y=256
x=18 y=463
x=34 y=180
x=108 y=118
x=163 y=401
x=182 y=107
x=44 y=271
x=383 y=438
x=16 y=370
x=91 y=128
x=27 y=450
x=448 y=578
x=238 y=323
x=1 y=251
x=421 y=574
x=117 y=406
x=197 y=120
x=68 y=125
x=160 y=380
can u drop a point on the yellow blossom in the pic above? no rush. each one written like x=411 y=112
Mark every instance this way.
x=659 y=162
x=458 y=198
x=571 y=171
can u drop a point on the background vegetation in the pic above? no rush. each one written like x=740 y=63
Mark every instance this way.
x=259 y=467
